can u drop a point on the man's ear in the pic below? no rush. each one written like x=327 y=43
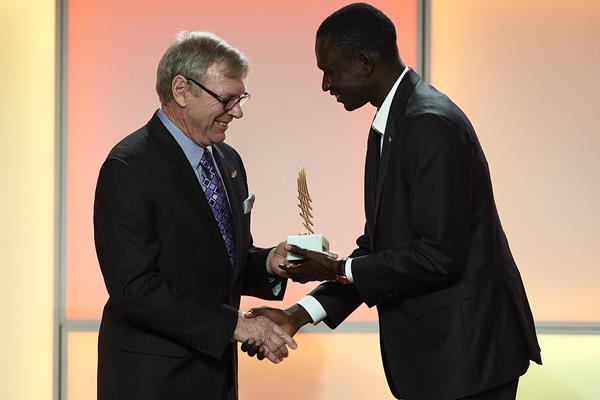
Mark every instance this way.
x=178 y=89
x=366 y=61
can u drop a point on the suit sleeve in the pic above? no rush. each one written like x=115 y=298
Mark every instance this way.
x=436 y=164
x=339 y=301
x=258 y=282
x=127 y=246
x=364 y=245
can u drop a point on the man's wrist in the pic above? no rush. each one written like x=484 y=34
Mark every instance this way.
x=239 y=327
x=298 y=315
x=341 y=272
x=270 y=255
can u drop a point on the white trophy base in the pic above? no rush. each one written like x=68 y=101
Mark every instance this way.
x=314 y=242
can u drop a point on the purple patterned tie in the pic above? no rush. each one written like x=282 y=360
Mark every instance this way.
x=217 y=200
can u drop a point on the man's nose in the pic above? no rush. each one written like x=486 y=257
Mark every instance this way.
x=325 y=85
x=236 y=111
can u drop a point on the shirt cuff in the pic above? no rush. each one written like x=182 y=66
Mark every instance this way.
x=348 y=270
x=276 y=288
x=313 y=308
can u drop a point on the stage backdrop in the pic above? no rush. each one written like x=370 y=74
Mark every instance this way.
x=27 y=225
x=524 y=74
x=113 y=50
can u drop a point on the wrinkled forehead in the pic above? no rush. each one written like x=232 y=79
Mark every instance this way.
x=221 y=69
x=218 y=77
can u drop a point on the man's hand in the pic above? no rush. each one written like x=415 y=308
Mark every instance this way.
x=290 y=320
x=315 y=266
x=273 y=339
x=277 y=260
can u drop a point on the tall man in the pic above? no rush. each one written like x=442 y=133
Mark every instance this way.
x=454 y=319
x=172 y=232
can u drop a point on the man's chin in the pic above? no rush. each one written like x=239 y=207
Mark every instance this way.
x=351 y=107
x=217 y=137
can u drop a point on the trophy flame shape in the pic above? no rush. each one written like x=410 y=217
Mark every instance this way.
x=309 y=240
x=305 y=200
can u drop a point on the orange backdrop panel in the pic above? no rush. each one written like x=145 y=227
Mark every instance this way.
x=348 y=366
x=113 y=51
x=527 y=76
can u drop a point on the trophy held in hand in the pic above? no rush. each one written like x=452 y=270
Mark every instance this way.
x=309 y=240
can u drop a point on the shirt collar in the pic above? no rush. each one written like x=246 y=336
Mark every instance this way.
x=193 y=152
x=381 y=117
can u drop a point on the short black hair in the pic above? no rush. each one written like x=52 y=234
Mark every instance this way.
x=360 y=27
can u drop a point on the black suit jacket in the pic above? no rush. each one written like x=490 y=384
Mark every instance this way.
x=453 y=315
x=173 y=295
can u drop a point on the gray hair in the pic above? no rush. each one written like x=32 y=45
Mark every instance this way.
x=191 y=54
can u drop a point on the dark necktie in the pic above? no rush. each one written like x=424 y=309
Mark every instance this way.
x=375 y=147
x=374 y=157
x=371 y=174
x=217 y=200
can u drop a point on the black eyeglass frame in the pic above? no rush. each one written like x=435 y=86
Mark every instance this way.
x=228 y=104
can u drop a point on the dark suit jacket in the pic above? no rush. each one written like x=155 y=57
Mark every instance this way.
x=453 y=315
x=167 y=326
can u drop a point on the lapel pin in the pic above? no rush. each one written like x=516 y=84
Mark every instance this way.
x=233 y=173
x=389 y=139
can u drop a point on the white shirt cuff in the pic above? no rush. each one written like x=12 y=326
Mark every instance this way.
x=348 y=270
x=313 y=308
x=277 y=288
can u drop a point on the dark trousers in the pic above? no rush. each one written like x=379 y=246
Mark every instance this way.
x=507 y=391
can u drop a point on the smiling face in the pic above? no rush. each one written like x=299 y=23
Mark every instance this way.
x=204 y=117
x=344 y=76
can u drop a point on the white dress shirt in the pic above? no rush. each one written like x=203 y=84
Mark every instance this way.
x=309 y=303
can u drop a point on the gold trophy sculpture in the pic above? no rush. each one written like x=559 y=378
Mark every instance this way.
x=309 y=240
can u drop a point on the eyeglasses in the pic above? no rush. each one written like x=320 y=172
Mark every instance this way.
x=228 y=104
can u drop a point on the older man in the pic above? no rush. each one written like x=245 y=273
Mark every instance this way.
x=172 y=231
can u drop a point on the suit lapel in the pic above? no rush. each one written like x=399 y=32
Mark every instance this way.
x=392 y=133
x=180 y=170
x=234 y=196
x=184 y=177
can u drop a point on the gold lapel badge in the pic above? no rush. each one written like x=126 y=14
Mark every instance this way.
x=233 y=173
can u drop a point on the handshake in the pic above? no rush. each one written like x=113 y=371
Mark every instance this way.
x=268 y=332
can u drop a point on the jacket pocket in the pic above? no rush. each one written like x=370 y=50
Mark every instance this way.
x=147 y=343
x=417 y=307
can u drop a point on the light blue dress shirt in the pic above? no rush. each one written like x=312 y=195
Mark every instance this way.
x=194 y=152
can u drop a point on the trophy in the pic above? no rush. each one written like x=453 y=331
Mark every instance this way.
x=309 y=240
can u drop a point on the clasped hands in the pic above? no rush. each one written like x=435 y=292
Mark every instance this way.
x=272 y=340
x=284 y=324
